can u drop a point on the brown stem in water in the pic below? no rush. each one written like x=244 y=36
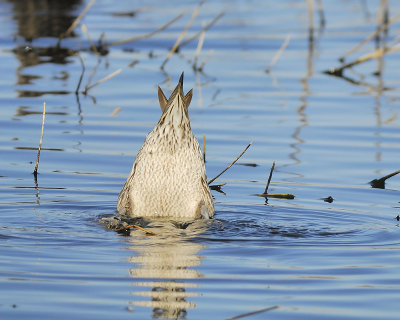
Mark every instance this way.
x=216 y=177
x=269 y=178
x=147 y=35
x=41 y=140
x=76 y=21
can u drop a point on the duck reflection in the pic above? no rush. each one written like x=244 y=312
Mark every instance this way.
x=164 y=266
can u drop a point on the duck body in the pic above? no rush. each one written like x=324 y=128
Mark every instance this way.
x=168 y=177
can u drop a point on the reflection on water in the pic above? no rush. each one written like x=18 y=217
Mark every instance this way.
x=329 y=136
x=42 y=19
x=163 y=267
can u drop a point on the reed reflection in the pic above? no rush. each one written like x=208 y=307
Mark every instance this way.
x=45 y=19
x=164 y=266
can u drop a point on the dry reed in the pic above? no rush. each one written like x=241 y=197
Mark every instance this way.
x=372 y=55
x=274 y=195
x=205 y=28
x=87 y=88
x=147 y=35
x=232 y=163
x=269 y=178
x=198 y=50
x=76 y=21
x=182 y=34
x=373 y=35
x=40 y=142
x=278 y=54
x=115 y=112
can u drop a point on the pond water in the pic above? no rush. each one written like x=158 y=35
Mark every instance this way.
x=301 y=258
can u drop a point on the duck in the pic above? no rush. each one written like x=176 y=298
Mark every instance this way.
x=168 y=177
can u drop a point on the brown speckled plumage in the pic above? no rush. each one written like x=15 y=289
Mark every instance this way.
x=168 y=177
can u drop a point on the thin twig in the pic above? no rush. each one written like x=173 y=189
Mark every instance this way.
x=269 y=178
x=131 y=226
x=238 y=157
x=41 y=140
x=183 y=33
x=243 y=315
x=87 y=88
x=278 y=53
x=76 y=21
x=208 y=26
x=147 y=35
x=82 y=73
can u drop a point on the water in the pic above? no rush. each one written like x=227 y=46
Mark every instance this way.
x=329 y=136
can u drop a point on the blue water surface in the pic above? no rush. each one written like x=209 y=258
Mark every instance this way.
x=301 y=258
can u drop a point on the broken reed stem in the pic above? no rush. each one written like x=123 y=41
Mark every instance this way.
x=183 y=34
x=278 y=195
x=87 y=88
x=41 y=140
x=269 y=178
x=76 y=21
x=373 y=35
x=147 y=35
x=204 y=148
x=208 y=26
x=131 y=226
x=372 y=55
x=380 y=183
x=267 y=195
x=82 y=73
x=243 y=315
x=238 y=157
x=390 y=175
x=278 y=53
